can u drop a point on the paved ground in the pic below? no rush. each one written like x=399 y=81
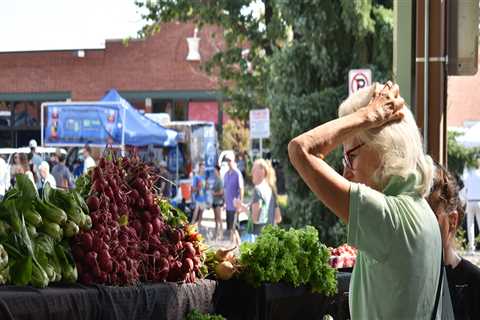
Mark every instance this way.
x=207 y=229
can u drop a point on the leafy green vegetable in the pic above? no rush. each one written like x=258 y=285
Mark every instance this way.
x=294 y=256
x=197 y=315
x=173 y=216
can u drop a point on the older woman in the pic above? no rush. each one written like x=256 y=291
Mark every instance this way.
x=381 y=198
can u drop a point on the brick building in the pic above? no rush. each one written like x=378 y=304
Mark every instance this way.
x=152 y=73
x=463 y=100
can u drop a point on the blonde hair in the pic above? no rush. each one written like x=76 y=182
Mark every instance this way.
x=399 y=144
x=270 y=175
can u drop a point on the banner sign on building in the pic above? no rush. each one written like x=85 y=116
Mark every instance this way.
x=80 y=124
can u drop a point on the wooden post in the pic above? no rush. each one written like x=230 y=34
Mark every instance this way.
x=434 y=94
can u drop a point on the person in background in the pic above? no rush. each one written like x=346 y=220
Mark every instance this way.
x=45 y=177
x=88 y=161
x=4 y=178
x=263 y=208
x=463 y=276
x=34 y=157
x=199 y=189
x=232 y=188
x=25 y=168
x=242 y=164
x=15 y=168
x=472 y=194
x=381 y=198
x=54 y=158
x=164 y=184
x=217 y=203
x=61 y=173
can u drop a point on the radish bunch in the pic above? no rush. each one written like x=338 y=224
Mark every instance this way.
x=130 y=240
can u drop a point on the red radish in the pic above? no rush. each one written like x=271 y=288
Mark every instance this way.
x=86 y=278
x=146 y=216
x=154 y=210
x=148 y=228
x=98 y=186
x=148 y=198
x=187 y=265
x=93 y=203
x=140 y=203
x=86 y=240
x=97 y=174
x=91 y=259
x=157 y=225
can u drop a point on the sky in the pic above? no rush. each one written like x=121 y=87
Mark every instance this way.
x=28 y=25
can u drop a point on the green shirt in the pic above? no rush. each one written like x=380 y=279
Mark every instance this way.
x=398 y=264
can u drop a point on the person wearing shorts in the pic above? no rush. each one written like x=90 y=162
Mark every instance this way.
x=199 y=192
x=217 y=203
x=233 y=189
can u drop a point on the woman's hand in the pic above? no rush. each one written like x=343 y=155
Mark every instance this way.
x=385 y=107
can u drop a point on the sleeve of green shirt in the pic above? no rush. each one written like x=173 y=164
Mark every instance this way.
x=371 y=223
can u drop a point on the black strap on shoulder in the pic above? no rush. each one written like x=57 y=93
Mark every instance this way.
x=439 y=289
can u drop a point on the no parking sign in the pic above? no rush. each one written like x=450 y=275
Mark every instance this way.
x=358 y=79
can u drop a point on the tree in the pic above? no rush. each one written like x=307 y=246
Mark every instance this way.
x=460 y=157
x=297 y=65
x=236 y=137
x=308 y=81
x=252 y=30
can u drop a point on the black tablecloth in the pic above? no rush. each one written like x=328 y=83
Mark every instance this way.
x=72 y=302
x=236 y=300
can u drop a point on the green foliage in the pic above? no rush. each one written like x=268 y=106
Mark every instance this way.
x=197 y=315
x=299 y=56
x=308 y=81
x=460 y=157
x=294 y=256
x=236 y=136
x=245 y=74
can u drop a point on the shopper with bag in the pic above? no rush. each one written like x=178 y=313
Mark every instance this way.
x=381 y=198
x=264 y=208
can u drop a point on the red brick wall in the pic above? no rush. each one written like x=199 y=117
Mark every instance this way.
x=156 y=63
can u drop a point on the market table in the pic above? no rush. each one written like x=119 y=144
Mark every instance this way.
x=236 y=300
x=169 y=301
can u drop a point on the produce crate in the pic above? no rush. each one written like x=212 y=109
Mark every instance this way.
x=236 y=300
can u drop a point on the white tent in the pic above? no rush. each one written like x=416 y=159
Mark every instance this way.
x=471 y=138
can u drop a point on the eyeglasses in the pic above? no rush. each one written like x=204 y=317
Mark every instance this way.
x=347 y=161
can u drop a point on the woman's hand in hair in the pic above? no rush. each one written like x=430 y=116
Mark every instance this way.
x=385 y=107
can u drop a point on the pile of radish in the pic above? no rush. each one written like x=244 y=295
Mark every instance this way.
x=131 y=239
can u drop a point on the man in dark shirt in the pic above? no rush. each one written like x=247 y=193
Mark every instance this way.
x=463 y=276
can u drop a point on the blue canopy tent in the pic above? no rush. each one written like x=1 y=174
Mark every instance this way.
x=112 y=120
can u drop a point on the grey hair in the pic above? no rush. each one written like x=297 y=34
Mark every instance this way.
x=399 y=144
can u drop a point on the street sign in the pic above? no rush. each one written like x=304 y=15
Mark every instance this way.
x=259 y=124
x=358 y=79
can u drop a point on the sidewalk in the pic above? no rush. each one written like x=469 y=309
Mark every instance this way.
x=207 y=229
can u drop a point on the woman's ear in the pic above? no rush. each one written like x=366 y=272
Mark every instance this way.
x=453 y=220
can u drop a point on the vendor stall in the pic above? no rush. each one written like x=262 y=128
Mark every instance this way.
x=112 y=120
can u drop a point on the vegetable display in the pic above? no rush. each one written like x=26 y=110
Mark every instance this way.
x=293 y=256
x=134 y=236
x=32 y=232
